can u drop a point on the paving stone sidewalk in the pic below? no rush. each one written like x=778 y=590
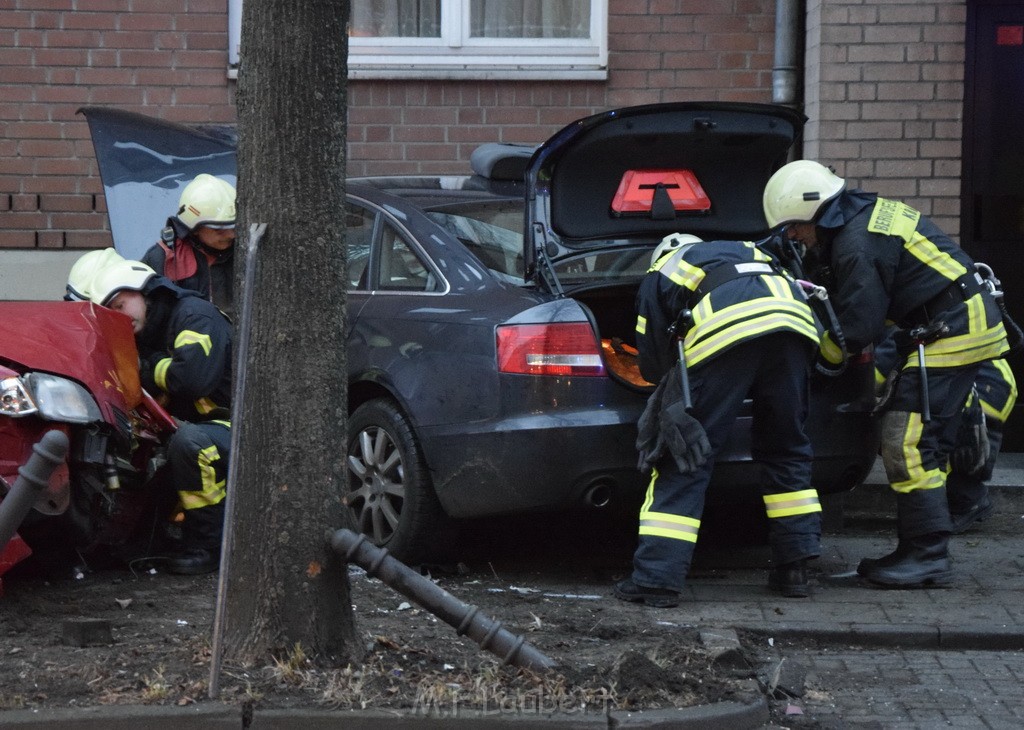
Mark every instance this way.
x=870 y=658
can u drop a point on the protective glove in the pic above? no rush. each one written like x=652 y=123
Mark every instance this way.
x=684 y=437
x=649 y=442
x=972 y=445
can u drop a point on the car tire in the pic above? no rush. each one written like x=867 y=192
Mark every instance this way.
x=390 y=493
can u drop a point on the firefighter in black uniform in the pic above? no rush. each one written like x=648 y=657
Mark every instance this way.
x=746 y=330
x=890 y=264
x=184 y=346
x=979 y=437
x=196 y=248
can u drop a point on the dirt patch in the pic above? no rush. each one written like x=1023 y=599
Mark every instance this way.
x=158 y=647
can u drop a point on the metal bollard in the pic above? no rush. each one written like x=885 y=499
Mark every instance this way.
x=466 y=619
x=32 y=479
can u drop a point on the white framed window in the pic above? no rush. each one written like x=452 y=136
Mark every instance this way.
x=471 y=39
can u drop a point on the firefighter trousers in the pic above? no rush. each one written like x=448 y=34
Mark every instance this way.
x=199 y=455
x=916 y=453
x=773 y=370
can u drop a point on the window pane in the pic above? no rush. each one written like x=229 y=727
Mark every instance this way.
x=530 y=18
x=396 y=18
x=401 y=268
x=358 y=237
x=492 y=232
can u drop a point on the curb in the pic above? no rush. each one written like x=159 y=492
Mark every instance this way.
x=217 y=716
x=898 y=636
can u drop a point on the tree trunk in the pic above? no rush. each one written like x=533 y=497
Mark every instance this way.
x=283 y=585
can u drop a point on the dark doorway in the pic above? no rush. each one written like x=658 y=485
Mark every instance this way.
x=993 y=158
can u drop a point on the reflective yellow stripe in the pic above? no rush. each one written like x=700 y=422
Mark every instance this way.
x=160 y=373
x=188 y=337
x=204 y=405
x=786 y=504
x=976 y=321
x=965 y=349
x=831 y=351
x=893 y=218
x=742 y=321
x=1001 y=414
x=213 y=491
x=674 y=527
x=641 y=325
x=685 y=274
x=918 y=476
x=931 y=256
x=779 y=287
x=758 y=254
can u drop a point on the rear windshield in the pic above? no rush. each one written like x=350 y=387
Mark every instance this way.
x=492 y=231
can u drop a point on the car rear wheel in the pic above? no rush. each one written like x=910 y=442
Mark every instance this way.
x=389 y=488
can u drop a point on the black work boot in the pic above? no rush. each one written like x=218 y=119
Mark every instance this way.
x=199 y=551
x=921 y=558
x=193 y=561
x=790 y=579
x=978 y=512
x=916 y=562
x=627 y=590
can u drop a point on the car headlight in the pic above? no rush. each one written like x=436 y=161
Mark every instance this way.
x=14 y=398
x=60 y=399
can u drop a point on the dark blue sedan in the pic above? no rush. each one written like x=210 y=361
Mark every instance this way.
x=491 y=316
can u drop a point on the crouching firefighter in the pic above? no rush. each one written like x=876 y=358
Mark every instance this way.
x=744 y=329
x=184 y=345
x=889 y=264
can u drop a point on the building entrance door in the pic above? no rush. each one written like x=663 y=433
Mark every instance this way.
x=993 y=159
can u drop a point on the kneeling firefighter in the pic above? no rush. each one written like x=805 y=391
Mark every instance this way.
x=184 y=345
x=889 y=264
x=718 y=322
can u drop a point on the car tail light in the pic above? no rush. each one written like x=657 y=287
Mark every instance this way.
x=564 y=348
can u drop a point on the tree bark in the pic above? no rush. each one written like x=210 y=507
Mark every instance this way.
x=283 y=586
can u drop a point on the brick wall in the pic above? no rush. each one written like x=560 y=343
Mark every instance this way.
x=168 y=58
x=163 y=57
x=884 y=92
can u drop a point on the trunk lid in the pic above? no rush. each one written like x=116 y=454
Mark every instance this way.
x=621 y=180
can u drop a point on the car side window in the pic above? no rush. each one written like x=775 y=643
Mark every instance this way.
x=358 y=237
x=402 y=268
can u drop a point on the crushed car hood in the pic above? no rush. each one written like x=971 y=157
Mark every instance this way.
x=144 y=165
x=586 y=185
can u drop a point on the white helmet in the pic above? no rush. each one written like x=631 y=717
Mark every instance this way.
x=798 y=192
x=84 y=271
x=119 y=276
x=671 y=242
x=207 y=201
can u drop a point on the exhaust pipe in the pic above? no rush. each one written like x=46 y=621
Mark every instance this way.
x=466 y=619
x=32 y=479
x=599 y=493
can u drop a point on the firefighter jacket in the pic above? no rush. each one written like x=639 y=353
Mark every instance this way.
x=190 y=265
x=735 y=292
x=891 y=265
x=185 y=352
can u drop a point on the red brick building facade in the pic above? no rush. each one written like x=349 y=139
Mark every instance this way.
x=882 y=84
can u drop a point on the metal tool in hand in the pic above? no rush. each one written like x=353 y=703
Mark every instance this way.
x=921 y=336
x=678 y=330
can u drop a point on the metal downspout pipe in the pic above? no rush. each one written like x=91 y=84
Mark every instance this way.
x=786 y=77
